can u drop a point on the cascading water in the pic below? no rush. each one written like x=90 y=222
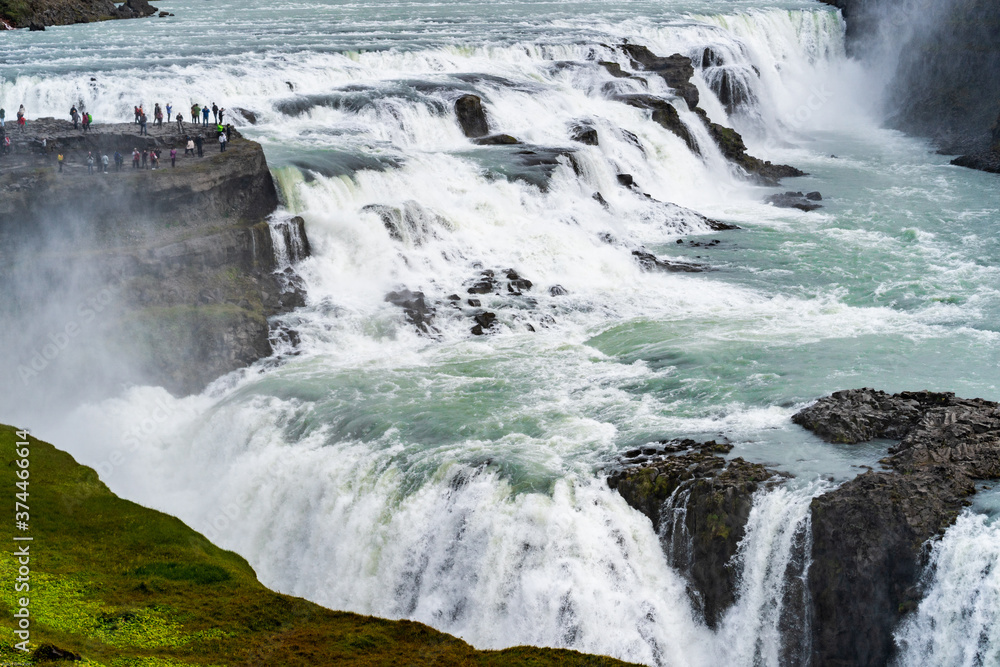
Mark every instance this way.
x=958 y=621
x=451 y=478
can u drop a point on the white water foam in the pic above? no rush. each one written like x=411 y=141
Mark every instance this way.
x=958 y=621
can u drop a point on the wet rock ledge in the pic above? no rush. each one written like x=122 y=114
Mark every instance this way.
x=869 y=536
x=184 y=257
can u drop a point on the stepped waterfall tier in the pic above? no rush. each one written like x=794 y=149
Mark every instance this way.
x=659 y=331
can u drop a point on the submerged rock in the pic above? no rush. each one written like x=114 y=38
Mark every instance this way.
x=472 y=116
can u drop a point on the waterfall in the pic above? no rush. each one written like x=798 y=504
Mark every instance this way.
x=450 y=479
x=958 y=621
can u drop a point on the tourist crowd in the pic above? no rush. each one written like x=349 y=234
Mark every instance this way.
x=147 y=158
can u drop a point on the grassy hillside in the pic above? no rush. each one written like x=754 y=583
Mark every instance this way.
x=126 y=586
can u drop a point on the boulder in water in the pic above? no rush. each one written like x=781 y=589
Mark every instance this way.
x=36 y=26
x=248 y=116
x=415 y=307
x=496 y=140
x=472 y=116
x=796 y=200
x=484 y=322
x=585 y=134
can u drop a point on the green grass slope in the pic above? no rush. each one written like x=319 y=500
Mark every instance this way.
x=121 y=585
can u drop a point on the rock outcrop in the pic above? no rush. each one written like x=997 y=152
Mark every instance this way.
x=36 y=14
x=677 y=71
x=869 y=534
x=187 y=253
x=699 y=503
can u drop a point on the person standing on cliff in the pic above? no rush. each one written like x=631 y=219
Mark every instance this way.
x=75 y=116
x=136 y=110
x=215 y=113
x=90 y=163
x=195 y=110
x=180 y=122
x=20 y=118
x=142 y=125
x=170 y=110
x=60 y=159
x=135 y=158
x=222 y=142
x=204 y=116
x=158 y=115
x=104 y=162
x=119 y=161
x=173 y=158
x=189 y=148
x=3 y=117
x=199 y=141
x=86 y=122
x=221 y=111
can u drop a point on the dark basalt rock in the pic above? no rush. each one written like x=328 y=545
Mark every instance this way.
x=664 y=114
x=869 y=534
x=472 y=116
x=676 y=70
x=717 y=226
x=615 y=70
x=489 y=283
x=988 y=161
x=248 y=116
x=496 y=140
x=36 y=26
x=731 y=144
x=558 y=290
x=651 y=262
x=699 y=504
x=415 y=307
x=585 y=134
x=796 y=200
x=626 y=180
x=484 y=322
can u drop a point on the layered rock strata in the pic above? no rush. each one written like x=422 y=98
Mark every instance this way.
x=183 y=256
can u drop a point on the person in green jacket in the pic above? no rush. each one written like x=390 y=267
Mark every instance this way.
x=195 y=110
